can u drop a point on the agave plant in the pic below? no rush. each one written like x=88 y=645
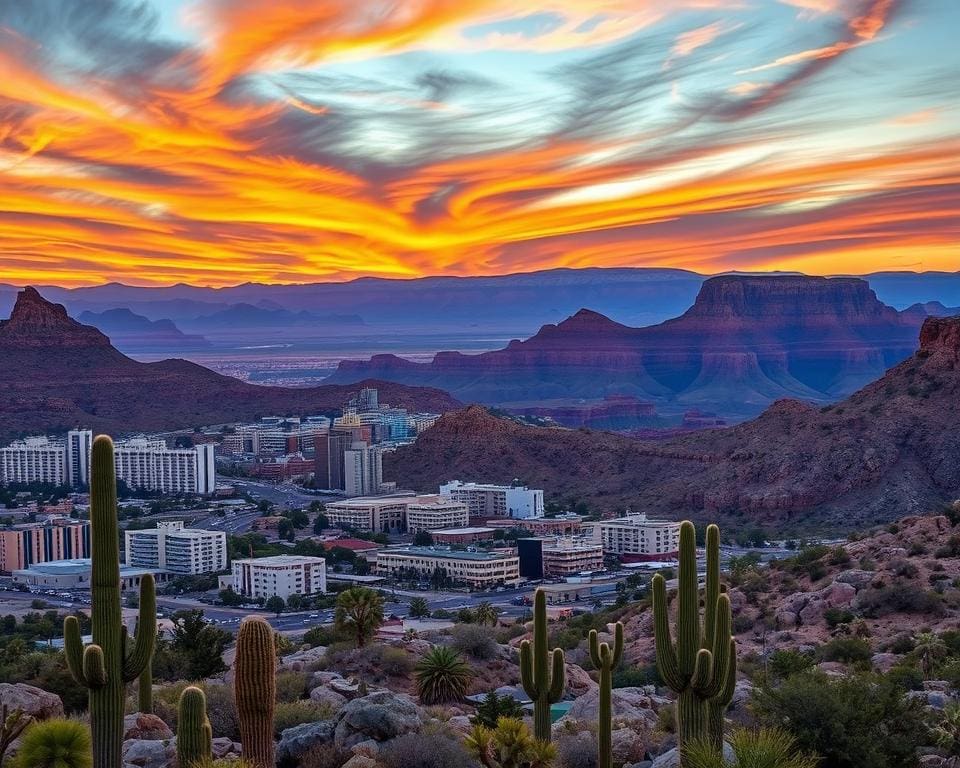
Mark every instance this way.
x=764 y=748
x=442 y=676
x=509 y=745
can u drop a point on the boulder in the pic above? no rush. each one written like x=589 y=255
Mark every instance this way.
x=671 y=759
x=369 y=748
x=630 y=705
x=328 y=696
x=301 y=738
x=856 y=578
x=379 y=716
x=302 y=659
x=361 y=761
x=35 y=702
x=579 y=681
x=149 y=753
x=146 y=727
x=460 y=724
x=323 y=677
x=884 y=662
x=223 y=746
x=349 y=689
x=626 y=745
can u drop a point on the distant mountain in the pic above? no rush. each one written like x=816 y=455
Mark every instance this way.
x=129 y=331
x=250 y=316
x=890 y=449
x=930 y=309
x=58 y=373
x=744 y=343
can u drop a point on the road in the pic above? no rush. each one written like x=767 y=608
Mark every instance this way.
x=282 y=494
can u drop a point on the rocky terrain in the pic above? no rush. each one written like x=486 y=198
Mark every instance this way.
x=889 y=449
x=744 y=343
x=57 y=373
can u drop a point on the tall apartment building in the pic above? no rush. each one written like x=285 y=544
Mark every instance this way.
x=26 y=545
x=149 y=464
x=362 y=470
x=478 y=569
x=329 y=448
x=279 y=576
x=429 y=515
x=34 y=460
x=381 y=514
x=171 y=547
x=79 y=446
x=635 y=537
x=496 y=500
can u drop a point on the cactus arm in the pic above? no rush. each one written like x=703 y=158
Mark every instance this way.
x=725 y=696
x=595 y=657
x=688 y=601
x=666 y=654
x=93 y=667
x=721 y=651
x=73 y=649
x=712 y=586
x=617 y=645
x=139 y=658
x=702 y=672
x=558 y=677
x=526 y=671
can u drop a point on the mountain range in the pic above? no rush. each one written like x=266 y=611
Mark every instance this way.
x=128 y=330
x=892 y=448
x=745 y=342
x=58 y=373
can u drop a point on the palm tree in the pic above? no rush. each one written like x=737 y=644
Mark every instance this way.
x=765 y=748
x=485 y=614
x=946 y=733
x=442 y=676
x=509 y=745
x=930 y=649
x=55 y=744
x=360 y=612
x=419 y=608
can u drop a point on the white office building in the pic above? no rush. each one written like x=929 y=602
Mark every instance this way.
x=362 y=469
x=150 y=464
x=279 y=576
x=34 y=460
x=635 y=537
x=487 y=501
x=432 y=514
x=79 y=447
x=171 y=547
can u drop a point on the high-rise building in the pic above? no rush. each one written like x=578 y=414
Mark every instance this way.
x=171 y=547
x=496 y=500
x=149 y=464
x=328 y=458
x=34 y=460
x=79 y=446
x=24 y=545
x=362 y=470
x=279 y=576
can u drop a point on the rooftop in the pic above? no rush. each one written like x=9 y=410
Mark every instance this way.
x=354 y=544
x=363 y=502
x=463 y=531
x=79 y=565
x=448 y=553
x=279 y=560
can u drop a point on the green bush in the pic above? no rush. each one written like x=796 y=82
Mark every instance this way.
x=629 y=676
x=877 y=602
x=849 y=650
x=835 y=616
x=291 y=686
x=783 y=663
x=474 y=640
x=55 y=744
x=906 y=676
x=287 y=714
x=396 y=662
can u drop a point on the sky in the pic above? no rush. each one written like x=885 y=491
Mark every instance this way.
x=216 y=142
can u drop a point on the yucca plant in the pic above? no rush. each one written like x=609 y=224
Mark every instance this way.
x=763 y=748
x=442 y=676
x=509 y=745
x=359 y=612
x=485 y=614
x=55 y=744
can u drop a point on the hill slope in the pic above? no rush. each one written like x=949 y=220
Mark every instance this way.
x=58 y=373
x=891 y=449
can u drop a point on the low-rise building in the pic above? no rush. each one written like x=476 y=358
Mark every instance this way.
x=567 y=556
x=516 y=501
x=75 y=574
x=280 y=576
x=436 y=513
x=561 y=525
x=462 y=535
x=477 y=569
x=635 y=537
x=24 y=545
x=376 y=514
x=180 y=550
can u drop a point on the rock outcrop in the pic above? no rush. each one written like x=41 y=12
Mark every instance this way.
x=35 y=702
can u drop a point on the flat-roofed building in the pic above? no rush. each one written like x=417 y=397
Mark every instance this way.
x=567 y=556
x=180 y=550
x=477 y=569
x=24 y=545
x=279 y=576
x=485 y=500
x=436 y=513
x=561 y=525
x=34 y=460
x=376 y=514
x=466 y=535
x=75 y=574
x=636 y=537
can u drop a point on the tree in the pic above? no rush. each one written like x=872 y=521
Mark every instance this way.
x=229 y=597
x=946 y=731
x=195 y=650
x=295 y=602
x=851 y=722
x=765 y=748
x=509 y=745
x=929 y=649
x=493 y=707
x=486 y=614
x=419 y=608
x=55 y=744
x=275 y=604
x=466 y=616
x=359 y=611
x=422 y=539
x=320 y=522
x=442 y=676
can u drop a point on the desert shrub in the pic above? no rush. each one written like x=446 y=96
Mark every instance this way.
x=906 y=676
x=867 y=563
x=951 y=672
x=291 y=686
x=811 y=554
x=893 y=528
x=474 y=640
x=742 y=622
x=221 y=708
x=903 y=568
x=950 y=549
x=629 y=676
x=816 y=571
x=849 y=650
x=667 y=719
x=322 y=636
x=511 y=632
x=783 y=663
x=899 y=598
x=287 y=714
x=901 y=644
x=850 y=722
x=839 y=556
x=415 y=750
x=396 y=662
x=916 y=549
x=835 y=616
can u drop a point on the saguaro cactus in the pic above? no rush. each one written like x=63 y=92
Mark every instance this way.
x=542 y=673
x=105 y=667
x=194 y=734
x=255 y=687
x=698 y=665
x=606 y=659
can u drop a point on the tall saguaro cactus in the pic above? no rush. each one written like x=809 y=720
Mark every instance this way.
x=194 y=733
x=542 y=672
x=699 y=665
x=105 y=667
x=255 y=689
x=606 y=659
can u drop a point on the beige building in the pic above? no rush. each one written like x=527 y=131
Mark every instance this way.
x=638 y=538
x=377 y=514
x=478 y=569
x=279 y=576
x=439 y=513
x=570 y=556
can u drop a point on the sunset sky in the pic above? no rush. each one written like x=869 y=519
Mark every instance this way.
x=222 y=141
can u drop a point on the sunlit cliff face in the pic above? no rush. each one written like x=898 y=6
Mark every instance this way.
x=219 y=141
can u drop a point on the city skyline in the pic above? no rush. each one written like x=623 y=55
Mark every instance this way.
x=217 y=143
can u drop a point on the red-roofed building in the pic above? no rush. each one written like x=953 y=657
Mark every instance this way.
x=355 y=545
